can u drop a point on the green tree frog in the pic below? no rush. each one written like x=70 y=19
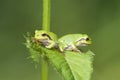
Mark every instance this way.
x=73 y=41
x=45 y=38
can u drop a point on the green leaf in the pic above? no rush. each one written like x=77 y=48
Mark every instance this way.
x=80 y=64
x=71 y=65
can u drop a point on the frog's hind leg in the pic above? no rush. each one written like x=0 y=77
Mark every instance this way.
x=72 y=48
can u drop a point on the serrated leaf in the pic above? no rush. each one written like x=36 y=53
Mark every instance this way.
x=58 y=61
x=71 y=65
x=80 y=64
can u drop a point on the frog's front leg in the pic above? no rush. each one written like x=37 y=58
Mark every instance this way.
x=51 y=44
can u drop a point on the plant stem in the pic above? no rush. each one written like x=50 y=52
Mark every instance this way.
x=46 y=27
x=44 y=70
x=46 y=15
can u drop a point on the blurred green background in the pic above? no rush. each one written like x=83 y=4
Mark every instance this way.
x=98 y=18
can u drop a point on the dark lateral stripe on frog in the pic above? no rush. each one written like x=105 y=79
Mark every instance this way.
x=44 y=34
x=87 y=39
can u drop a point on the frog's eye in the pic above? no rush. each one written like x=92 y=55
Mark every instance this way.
x=87 y=39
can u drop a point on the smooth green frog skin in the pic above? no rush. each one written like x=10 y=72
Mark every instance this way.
x=72 y=41
x=45 y=38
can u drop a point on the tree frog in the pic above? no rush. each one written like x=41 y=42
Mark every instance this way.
x=73 y=41
x=45 y=38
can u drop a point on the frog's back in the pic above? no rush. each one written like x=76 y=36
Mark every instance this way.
x=70 y=38
x=53 y=36
x=50 y=35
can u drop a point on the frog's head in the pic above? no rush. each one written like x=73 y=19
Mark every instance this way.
x=41 y=35
x=84 y=40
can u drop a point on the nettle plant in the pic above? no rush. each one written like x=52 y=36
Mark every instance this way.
x=63 y=53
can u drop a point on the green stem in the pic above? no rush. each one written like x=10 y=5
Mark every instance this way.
x=44 y=70
x=46 y=27
x=46 y=15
